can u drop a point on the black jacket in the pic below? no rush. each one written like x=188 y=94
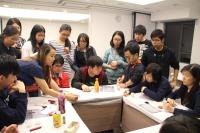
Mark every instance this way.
x=164 y=58
x=5 y=50
x=80 y=58
x=12 y=108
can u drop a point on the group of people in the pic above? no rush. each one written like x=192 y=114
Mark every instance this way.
x=28 y=68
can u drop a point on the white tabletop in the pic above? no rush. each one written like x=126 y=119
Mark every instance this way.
x=106 y=93
x=151 y=129
x=45 y=121
x=147 y=106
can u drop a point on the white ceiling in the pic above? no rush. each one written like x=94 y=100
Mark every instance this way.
x=84 y=5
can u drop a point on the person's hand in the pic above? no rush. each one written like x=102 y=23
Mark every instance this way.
x=114 y=64
x=122 y=85
x=85 y=88
x=167 y=107
x=112 y=67
x=173 y=83
x=66 y=50
x=126 y=93
x=10 y=129
x=71 y=97
x=171 y=102
x=17 y=86
x=143 y=88
x=120 y=80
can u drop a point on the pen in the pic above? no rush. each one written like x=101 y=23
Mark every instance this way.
x=36 y=128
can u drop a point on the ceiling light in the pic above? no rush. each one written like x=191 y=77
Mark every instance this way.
x=41 y=14
x=141 y=2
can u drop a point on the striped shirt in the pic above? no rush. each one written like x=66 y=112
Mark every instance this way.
x=60 y=50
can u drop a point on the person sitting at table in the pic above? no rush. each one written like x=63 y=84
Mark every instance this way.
x=154 y=85
x=180 y=124
x=13 y=97
x=134 y=70
x=61 y=78
x=189 y=92
x=37 y=71
x=86 y=76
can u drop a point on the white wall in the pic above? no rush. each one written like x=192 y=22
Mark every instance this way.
x=51 y=27
x=145 y=20
x=179 y=15
x=195 y=57
x=103 y=23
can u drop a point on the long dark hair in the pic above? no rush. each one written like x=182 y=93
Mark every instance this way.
x=12 y=21
x=36 y=28
x=67 y=28
x=194 y=70
x=120 y=50
x=42 y=54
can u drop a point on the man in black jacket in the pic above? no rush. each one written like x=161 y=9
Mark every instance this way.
x=139 y=37
x=161 y=55
x=13 y=97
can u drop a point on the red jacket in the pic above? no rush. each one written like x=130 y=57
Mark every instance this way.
x=62 y=80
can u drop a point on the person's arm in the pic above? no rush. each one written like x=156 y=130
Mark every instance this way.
x=175 y=64
x=105 y=59
x=195 y=112
x=163 y=90
x=137 y=88
x=122 y=63
x=54 y=85
x=45 y=88
x=174 y=79
x=137 y=75
x=15 y=111
x=77 y=80
x=144 y=58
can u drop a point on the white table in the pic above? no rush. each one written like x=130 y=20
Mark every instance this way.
x=45 y=121
x=99 y=111
x=136 y=116
x=139 y=111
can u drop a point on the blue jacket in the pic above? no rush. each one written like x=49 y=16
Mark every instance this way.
x=12 y=108
x=156 y=91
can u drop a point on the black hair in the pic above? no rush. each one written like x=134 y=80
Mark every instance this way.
x=132 y=47
x=155 y=70
x=194 y=70
x=180 y=124
x=158 y=33
x=10 y=30
x=12 y=21
x=94 y=61
x=8 y=65
x=86 y=38
x=67 y=28
x=140 y=29
x=36 y=28
x=58 y=59
x=120 y=50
